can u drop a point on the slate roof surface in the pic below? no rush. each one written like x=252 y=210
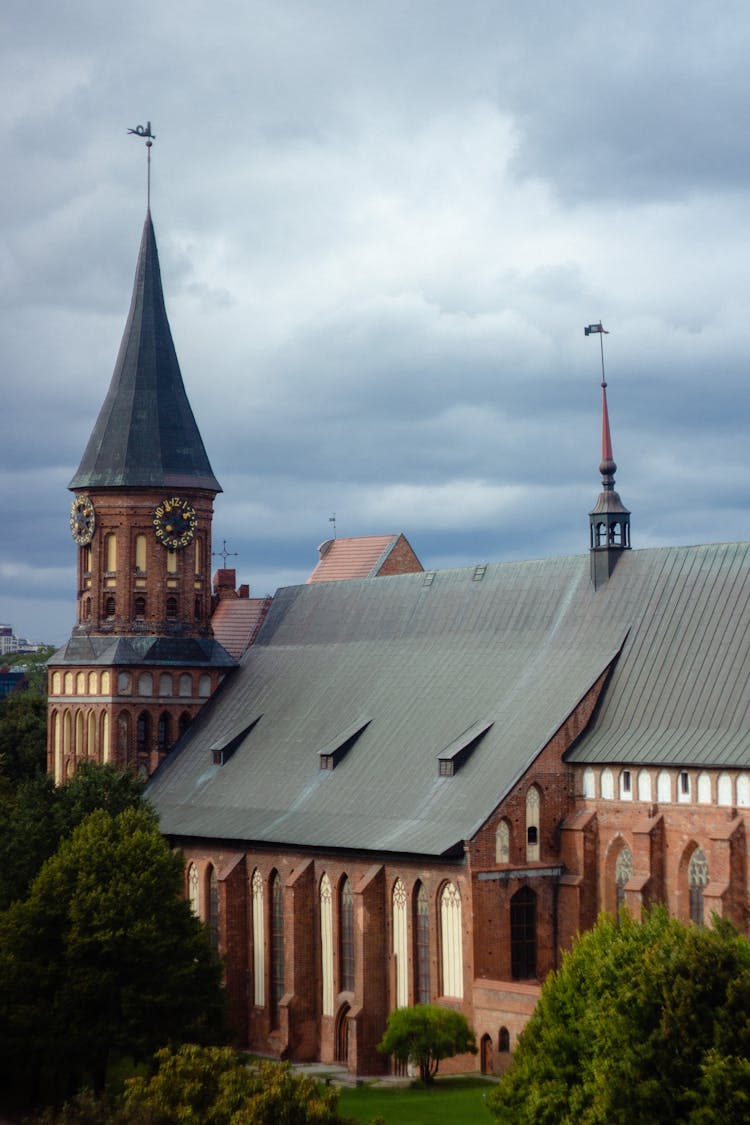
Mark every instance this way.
x=146 y=435
x=357 y=557
x=423 y=657
x=177 y=651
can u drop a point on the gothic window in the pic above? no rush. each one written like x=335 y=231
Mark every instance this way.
x=724 y=788
x=213 y=906
x=626 y=785
x=277 y=946
x=139 y=606
x=140 y=554
x=697 y=880
x=623 y=873
x=422 y=942
x=743 y=790
x=91 y=735
x=194 y=889
x=589 y=783
x=57 y=745
x=79 y=734
x=502 y=842
x=171 y=607
x=143 y=733
x=106 y=749
x=326 y=943
x=608 y=784
x=110 y=554
x=259 y=940
x=451 y=942
x=346 y=936
x=163 y=739
x=532 y=824
x=704 y=788
x=523 y=934
x=123 y=738
x=644 y=786
x=664 y=787
x=503 y=1040
x=400 y=944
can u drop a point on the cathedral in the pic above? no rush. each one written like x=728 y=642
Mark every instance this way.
x=414 y=785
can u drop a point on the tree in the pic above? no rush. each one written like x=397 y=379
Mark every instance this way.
x=424 y=1035
x=103 y=959
x=23 y=736
x=643 y=1022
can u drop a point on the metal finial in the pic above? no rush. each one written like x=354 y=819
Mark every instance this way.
x=332 y=519
x=149 y=137
x=224 y=553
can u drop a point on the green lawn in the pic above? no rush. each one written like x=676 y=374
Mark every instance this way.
x=455 y=1101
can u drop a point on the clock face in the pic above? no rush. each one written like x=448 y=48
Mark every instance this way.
x=174 y=522
x=82 y=521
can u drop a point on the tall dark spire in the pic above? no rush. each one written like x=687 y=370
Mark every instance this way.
x=609 y=519
x=146 y=435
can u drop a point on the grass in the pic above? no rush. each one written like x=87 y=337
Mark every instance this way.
x=453 y=1101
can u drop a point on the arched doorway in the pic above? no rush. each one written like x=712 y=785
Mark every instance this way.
x=486 y=1054
x=342 y=1035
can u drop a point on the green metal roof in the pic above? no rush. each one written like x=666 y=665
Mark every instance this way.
x=146 y=435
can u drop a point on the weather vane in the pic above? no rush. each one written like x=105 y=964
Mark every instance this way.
x=591 y=329
x=332 y=519
x=149 y=138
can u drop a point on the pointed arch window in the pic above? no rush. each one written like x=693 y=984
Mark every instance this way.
x=607 y=784
x=123 y=738
x=346 y=938
x=697 y=880
x=213 y=906
x=194 y=889
x=143 y=736
x=589 y=782
x=400 y=944
x=664 y=787
x=110 y=553
x=326 y=943
x=502 y=842
x=623 y=873
x=259 y=941
x=644 y=786
x=533 y=803
x=163 y=735
x=171 y=607
x=523 y=934
x=451 y=941
x=422 y=943
x=277 y=947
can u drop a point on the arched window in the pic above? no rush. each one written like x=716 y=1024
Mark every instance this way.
x=326 y=943
x=171 y=607
x=623 y=873
x=57 y=746
x=724 y=789
x=171 y=562
x=533 y=803
x=92 y=683
x=451 y=941
x=106 y=749
x=626 y=785
x=194 y=889
x=204 y=685
x=644 y=786
x=346 y=936
x=143 y=735
x=502 y=842
x=123 y=683
x=81 y=683
x=184 y=722
x=422 y=944
x=165 y=684
x=523 y=934
x=503 y=1040
x=123 y=738
x=109 y=606
x=110 y=553
x=163 y=732
x=743 y=791
x=186 y=684
x=139 y=606
x=259 y=941
x=589 y=782
x=664 y=787
x=198 y=556
x=197 y=608
x=140 y=554
x=78 y=748
x=704 y=788
x=68 y=683
x=683 y=787
x=400 y=944
x=213 y=905
x=277 y=946
x=145 y=684
x=607 y=784
x=697 y=880
x=91 y=735
x=56 y=683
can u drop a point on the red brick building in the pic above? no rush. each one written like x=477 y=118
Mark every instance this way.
x=420 y=786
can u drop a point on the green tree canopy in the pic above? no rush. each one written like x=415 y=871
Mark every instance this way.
x=104 y=958
x=644 y=1021
x=23 y=736
x=424 y=1035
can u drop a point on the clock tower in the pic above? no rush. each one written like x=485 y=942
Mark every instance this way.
x=142 y=658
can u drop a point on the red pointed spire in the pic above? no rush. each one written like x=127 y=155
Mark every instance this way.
x=606 y=436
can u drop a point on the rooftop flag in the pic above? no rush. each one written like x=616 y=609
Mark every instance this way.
x=595 y=328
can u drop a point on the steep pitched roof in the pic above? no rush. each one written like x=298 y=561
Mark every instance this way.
x=363 y=556
x=416 y=666
x=236 y=621
x=146 y=435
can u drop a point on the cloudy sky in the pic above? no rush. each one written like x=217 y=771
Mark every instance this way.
x=382 y=228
